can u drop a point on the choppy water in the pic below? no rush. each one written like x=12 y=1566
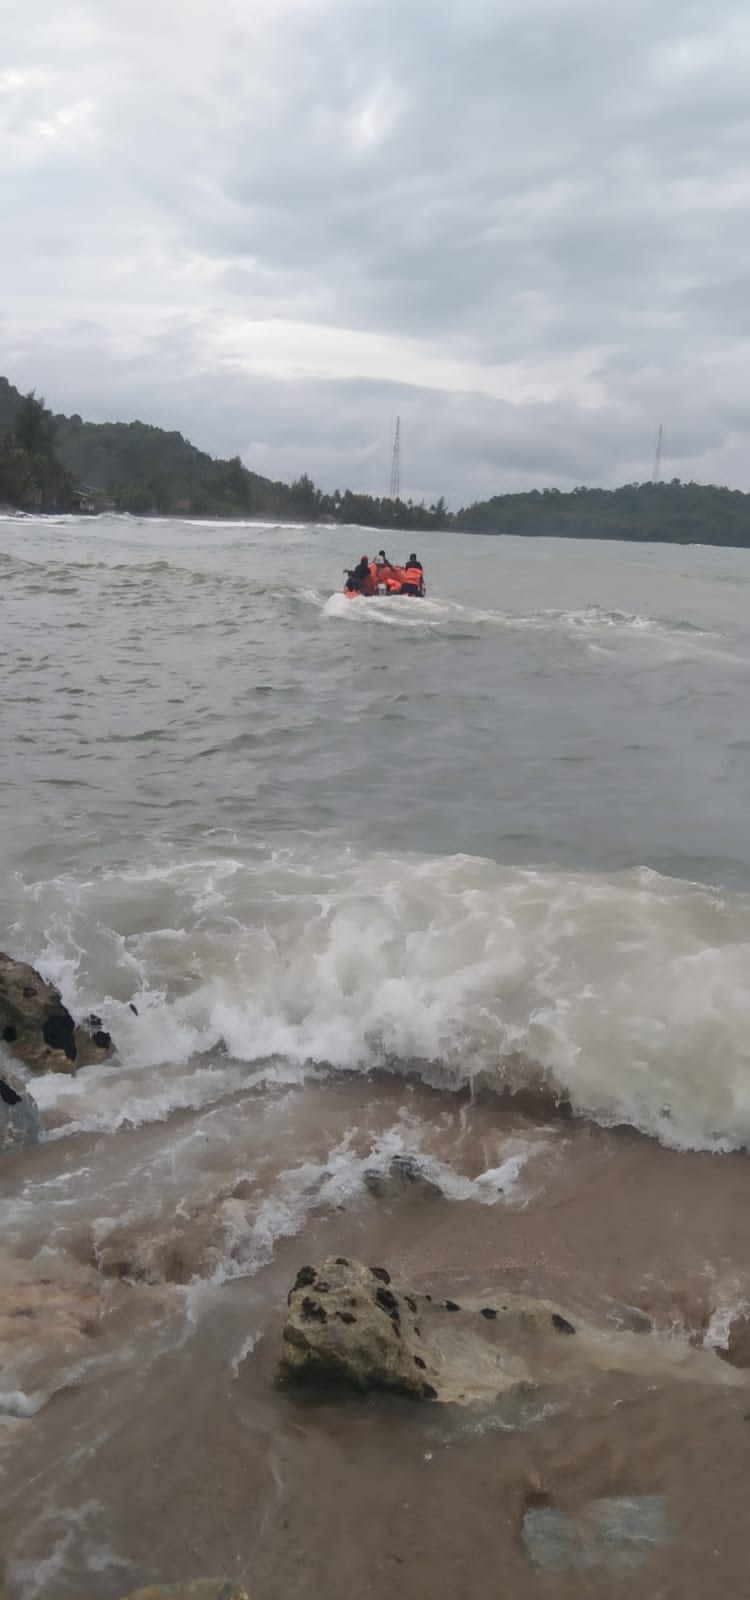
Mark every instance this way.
x=510 y=820
x=346 y=858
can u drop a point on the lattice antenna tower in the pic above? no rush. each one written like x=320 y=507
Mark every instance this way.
x=657 y=458
x=395 y=491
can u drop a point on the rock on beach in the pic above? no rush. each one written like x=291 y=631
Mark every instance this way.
x=20 y=1123
x=352 y=1325
x=38 y=1029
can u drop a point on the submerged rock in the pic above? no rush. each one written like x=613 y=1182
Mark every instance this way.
x=737 y=1348
x=405 y=1179
x=36 y=1027
x=198 y=1589
x=615 y=1534
x=20 y=1123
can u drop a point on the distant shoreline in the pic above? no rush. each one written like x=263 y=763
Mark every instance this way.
x=685 y=539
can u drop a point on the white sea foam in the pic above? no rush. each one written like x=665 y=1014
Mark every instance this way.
x=627 y=992
x=16 y=1403
x=594 y=626
x=252 y=1233
x=246 y=1349
x=718 y=1332
x=70 y=1535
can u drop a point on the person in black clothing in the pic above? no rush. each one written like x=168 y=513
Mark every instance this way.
x=358 y=579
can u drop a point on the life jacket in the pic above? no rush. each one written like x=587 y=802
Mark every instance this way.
x=393 y=578
x=414 y=575
x=385 y=577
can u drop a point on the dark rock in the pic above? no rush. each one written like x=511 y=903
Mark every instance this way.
x=405 y=1179
x=312 y=1311
x=488 y=1312
x=737 y=1348
x=387 y=1302
x=38 y=1028
x=20 y=1123
x=561 y=1323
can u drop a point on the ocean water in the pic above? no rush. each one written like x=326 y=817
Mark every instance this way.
x=295 y=829
x=346 y=879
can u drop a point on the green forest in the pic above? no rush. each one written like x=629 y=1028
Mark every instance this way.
x=673 y=513
x=56 y=463
x=59 y=463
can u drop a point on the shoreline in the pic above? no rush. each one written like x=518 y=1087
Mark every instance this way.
x=607 y=1223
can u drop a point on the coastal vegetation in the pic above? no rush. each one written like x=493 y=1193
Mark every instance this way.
x=59 y=463
x=673 y=513
x=32 y=476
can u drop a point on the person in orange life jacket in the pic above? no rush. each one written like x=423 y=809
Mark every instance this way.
x=359 y=580
x=413 y=576
x=384 y=574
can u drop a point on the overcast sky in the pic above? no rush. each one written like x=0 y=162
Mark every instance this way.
x=521 y=225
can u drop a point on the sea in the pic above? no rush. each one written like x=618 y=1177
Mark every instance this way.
x=463 y=879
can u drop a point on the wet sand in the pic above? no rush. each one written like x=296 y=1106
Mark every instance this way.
x=166 y=1447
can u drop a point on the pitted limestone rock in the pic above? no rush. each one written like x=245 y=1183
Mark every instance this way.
x=36 y=1027
x=352 y=1324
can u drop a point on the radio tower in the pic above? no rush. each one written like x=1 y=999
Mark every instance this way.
x=657 y=458
x=395 y=492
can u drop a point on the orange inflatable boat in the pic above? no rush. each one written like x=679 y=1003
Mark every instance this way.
x=382 y=577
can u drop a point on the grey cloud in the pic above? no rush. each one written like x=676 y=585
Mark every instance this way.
x=500 y=182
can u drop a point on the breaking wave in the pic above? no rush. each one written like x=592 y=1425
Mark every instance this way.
x=625 y=994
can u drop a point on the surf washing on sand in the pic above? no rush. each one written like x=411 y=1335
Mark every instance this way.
x=420 y=932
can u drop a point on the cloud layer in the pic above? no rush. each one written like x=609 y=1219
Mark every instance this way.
x=276 y=224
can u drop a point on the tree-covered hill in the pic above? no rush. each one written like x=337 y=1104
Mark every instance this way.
x=143 y=468
x=132 y=466
x=32 y=475
x=59 y=463
x=674 y=513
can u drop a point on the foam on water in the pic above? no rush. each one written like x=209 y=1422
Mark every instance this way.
x=594 y=626
x=16 y=1403
x=313 y=1186
x=625 y=992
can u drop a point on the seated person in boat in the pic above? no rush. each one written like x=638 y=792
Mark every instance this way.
x=360 y=580
x=413 y=579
